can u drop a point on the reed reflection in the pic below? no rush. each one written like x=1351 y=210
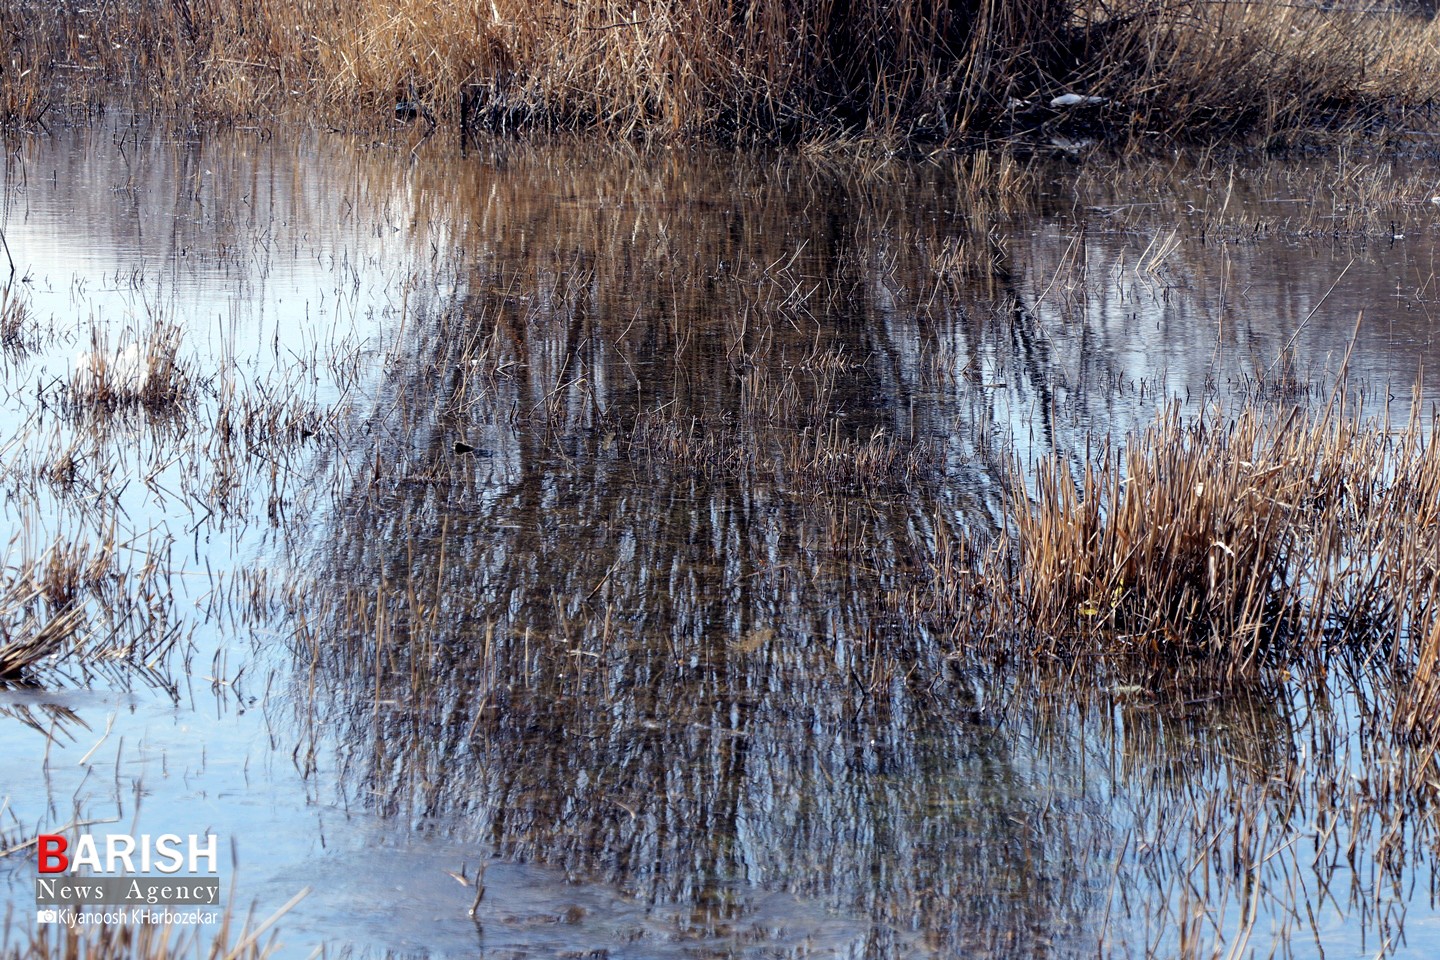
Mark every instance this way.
x=651 y=566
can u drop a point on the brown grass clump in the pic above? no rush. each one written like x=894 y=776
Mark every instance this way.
x=1260 y=533
x=84 y=602
x=16 y=330
x=26 y=636
x=146 y=371
x=788 y=70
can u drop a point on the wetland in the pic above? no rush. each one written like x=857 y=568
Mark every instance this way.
x=725 y=554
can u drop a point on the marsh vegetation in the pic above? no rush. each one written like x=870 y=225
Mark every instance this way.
x=1010 y=553
x=808 y=71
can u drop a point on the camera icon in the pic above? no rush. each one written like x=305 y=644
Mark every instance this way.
x=47 y=916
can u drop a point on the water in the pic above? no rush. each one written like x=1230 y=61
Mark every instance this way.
x=572 y=512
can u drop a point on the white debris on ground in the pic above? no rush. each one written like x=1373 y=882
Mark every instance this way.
x=1077 y=100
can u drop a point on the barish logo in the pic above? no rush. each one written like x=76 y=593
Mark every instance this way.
x=126 y=854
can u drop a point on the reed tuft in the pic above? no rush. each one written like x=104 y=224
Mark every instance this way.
x=1274 y=533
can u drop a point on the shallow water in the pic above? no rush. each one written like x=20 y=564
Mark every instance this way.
x=573 y=512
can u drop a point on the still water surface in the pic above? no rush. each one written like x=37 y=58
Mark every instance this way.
x=584 y=531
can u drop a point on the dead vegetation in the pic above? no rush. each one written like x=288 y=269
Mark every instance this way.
x=145 y=369
x=776 y=70
x=1271 y=536
x=655 y=560
x=16 y=328
x=107 y=467
x=29 y=636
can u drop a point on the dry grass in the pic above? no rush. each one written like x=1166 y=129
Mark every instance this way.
x=705 y=521
x=1419 y=703
x=86 y=589
x=85 y=604
x=144 y=371
x=790 y=70
x=1223 y=67
x=27 y=635
x=1273 y=532
x=16 y=328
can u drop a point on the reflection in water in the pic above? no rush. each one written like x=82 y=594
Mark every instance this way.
x=636 y=577
x=614 y=528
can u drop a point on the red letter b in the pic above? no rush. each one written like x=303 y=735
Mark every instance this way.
x=51 y=848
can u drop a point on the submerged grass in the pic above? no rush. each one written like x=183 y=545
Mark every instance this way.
x=772 y=70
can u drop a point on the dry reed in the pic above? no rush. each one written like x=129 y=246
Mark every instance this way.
x=146 y=371
x=28 y=636
x=789 y=70
x=1272 y=532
